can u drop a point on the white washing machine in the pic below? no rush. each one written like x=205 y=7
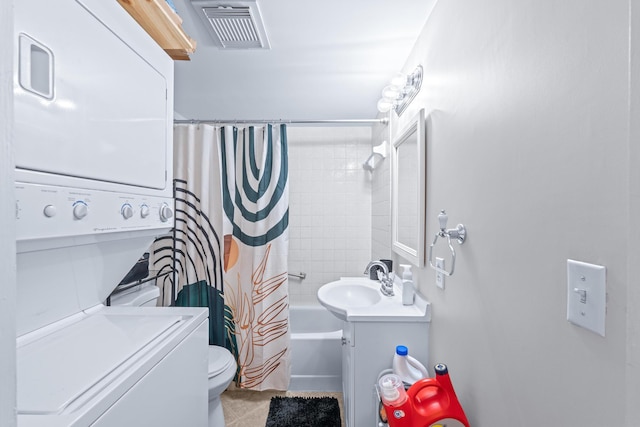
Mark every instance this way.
x=93 y=149
x=80 y=363
x=142 y=295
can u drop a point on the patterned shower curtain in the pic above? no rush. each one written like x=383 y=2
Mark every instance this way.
x=192 y=255
x=231 y=244
x=255 y=194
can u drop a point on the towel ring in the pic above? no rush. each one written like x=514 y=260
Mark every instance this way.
x=459 y=233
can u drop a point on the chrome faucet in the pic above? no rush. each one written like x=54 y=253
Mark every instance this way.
x=386 y=283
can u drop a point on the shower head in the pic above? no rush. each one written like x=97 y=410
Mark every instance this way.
x=372 y=162
x=379 y=153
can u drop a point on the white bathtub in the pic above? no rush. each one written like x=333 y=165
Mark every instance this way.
x=316 y=350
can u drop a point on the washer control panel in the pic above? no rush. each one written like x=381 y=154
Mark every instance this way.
x=48 y=211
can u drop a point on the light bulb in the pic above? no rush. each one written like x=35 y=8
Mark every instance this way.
x=399 y=80
x=390 y=93
x=384 y=105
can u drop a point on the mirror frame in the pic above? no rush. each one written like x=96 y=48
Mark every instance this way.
x=414 y=130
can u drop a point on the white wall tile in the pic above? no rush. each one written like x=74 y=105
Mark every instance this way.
x=329 y=206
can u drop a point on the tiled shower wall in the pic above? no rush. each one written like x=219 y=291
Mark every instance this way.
x=329 y=207
x=381 y=200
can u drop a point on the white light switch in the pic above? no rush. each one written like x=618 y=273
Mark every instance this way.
x=586 y=295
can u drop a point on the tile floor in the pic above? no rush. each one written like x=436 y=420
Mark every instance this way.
x=245 y=408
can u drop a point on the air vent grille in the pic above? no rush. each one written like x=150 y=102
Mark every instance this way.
x=236 y=26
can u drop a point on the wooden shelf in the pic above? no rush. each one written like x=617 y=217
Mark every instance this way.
x=163 y=25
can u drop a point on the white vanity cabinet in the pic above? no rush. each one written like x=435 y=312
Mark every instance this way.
x=373 y=325
x=368 y=348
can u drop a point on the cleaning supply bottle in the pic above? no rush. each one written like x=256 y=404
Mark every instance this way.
x=430 y=402
x=392 y=391
x=408 y=288
x=406 y=367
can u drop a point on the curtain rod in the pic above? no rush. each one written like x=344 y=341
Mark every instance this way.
x=280 y=121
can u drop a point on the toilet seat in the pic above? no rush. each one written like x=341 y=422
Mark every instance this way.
x=220 y=360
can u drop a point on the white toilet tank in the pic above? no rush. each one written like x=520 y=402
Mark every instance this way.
x=143 y=295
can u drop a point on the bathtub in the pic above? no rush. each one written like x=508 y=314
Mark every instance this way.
x=316 y=350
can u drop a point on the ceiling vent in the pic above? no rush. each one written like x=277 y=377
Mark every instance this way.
x=233 y=24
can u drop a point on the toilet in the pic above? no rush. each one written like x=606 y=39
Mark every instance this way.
x=222 y=369
x=222 y=365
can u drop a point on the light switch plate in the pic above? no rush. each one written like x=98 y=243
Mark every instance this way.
x=587 y=295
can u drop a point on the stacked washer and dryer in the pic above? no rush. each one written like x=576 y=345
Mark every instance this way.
x=222 y=365
x=93 y=149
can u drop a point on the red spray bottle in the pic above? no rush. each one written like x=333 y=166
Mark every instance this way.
x=429 y=402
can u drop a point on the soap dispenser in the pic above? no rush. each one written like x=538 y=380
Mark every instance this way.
x=408 y=289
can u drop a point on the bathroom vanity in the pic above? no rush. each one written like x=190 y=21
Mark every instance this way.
x=368 y=349
x=372 y=328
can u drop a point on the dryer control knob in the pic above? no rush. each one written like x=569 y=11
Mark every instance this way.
x=80 y=210
x=50 y=211
x=127 y=211
x=144 y=211
x=165 y=212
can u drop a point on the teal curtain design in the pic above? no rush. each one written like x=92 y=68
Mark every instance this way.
x=255 y=194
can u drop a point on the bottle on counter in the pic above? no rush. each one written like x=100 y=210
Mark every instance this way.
x=408 y=288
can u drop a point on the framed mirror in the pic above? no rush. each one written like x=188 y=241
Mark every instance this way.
x=408 y=191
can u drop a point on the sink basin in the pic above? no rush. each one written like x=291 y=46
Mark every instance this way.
x=358 y=299
x=338 y=296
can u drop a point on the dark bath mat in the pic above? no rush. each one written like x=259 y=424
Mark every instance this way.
x=303 y=412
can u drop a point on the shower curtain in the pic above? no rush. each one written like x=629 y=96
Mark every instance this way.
x=231 y=243
x=192 y=256
x=255 y=194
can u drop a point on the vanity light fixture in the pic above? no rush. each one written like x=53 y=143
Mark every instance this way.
x=397 y=95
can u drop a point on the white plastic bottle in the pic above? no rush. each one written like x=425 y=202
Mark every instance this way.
x=406 y=367
x=408 y=289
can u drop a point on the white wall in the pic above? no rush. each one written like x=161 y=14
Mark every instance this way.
x=329 y=206
x=528 y=146
x=7 y=217
x=633 y=290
